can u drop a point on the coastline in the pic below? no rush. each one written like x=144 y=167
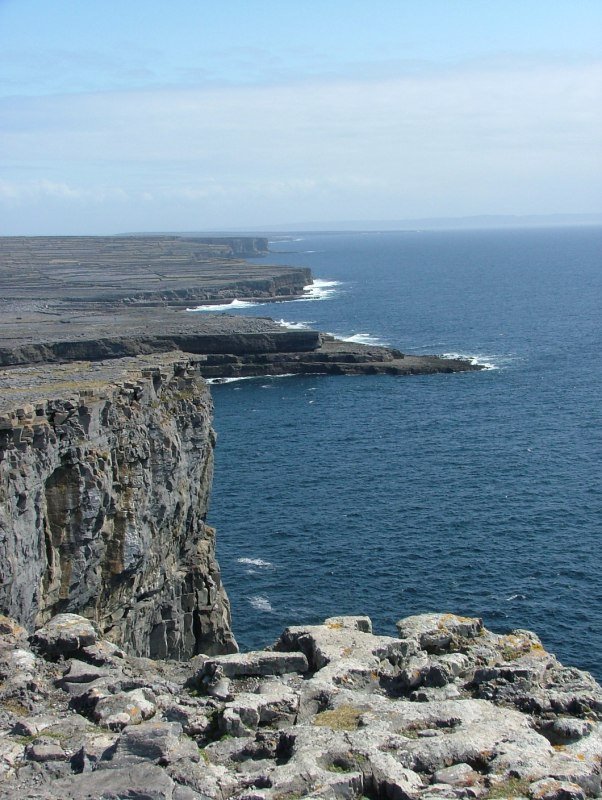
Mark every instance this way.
x=105 y=476
x=95 y=298
x=83 y=363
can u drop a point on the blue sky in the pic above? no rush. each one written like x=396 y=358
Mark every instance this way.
x=196 y=115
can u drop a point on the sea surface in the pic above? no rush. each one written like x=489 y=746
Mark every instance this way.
x=476 y=493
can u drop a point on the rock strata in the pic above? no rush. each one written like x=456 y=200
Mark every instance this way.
x=445 y=710
x=73 y=298
x=105 y=473
x=134 y=270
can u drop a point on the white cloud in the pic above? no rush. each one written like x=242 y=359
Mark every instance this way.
x=483 y=139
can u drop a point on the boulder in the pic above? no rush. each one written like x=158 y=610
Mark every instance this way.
x=436 y=632
x=115 y=711
x=64 y=635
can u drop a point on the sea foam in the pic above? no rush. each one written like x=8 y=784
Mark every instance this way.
x=365 y=338
x=225 y=306
x=220 y=381
x=296 y=326
x=318 y=290
x=255 y=562
x=478 y=360
x=260 y=603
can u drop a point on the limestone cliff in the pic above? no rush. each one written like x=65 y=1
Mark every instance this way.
x=241 y=246
x=104 y=484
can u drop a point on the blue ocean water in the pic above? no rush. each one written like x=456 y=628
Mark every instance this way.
x=473 y=493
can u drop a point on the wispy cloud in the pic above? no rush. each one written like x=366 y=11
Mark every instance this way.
x=482 y=138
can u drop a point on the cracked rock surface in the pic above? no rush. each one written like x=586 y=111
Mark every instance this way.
x=445 y=710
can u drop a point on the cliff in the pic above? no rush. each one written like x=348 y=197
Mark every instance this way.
x=105 y=475
x=105 y=472
x=134 y=270
x=238 y=246
x=94 y=297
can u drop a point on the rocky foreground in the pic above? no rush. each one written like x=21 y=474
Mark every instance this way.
x=446 y=710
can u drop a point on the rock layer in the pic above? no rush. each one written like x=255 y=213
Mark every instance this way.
x=71 y=298
x=131 y=270
x=446 y=710
x=104 y=483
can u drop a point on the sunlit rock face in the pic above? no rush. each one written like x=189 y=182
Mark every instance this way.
x=104 y=485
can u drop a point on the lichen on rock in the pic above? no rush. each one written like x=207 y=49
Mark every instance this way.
x=327 y=711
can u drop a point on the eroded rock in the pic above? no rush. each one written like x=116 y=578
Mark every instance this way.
x=333 y=711
x=104 y=486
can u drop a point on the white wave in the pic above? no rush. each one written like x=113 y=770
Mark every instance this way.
x=364 y=338
x=225 y=306
x=318 y=290
x=477 y=360
x=219 y=381
x=296 y=326
x=255 y=562
x=516 y=597
x=260 y=603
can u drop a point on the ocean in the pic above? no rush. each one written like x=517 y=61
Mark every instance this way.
x=475 y=493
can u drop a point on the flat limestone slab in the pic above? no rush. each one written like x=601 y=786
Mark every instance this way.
x=260 y=662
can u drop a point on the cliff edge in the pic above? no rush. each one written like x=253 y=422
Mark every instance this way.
x=105 y=474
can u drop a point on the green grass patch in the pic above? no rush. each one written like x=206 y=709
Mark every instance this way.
x=512 y=787
x=343 y=718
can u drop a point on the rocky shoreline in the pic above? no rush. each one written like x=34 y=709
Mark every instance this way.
x=96 y=298
x=119 y=673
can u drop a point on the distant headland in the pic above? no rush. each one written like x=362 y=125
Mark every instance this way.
x=102 y=297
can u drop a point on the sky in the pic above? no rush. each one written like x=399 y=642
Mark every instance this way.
x=195 y=115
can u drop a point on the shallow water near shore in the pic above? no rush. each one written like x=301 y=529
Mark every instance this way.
x=477 y=493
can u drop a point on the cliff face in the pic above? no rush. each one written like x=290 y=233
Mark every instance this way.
x=244 y=246
x=103 y=498
x=95 y=347
x=134 y=270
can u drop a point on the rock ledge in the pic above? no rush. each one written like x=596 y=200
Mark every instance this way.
x=446 y=710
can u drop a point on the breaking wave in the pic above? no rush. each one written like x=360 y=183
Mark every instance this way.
x=296 y=326
x=260 y=603
x=318 y=290
x=225 y=306
x=480 y=360
x=364 y=338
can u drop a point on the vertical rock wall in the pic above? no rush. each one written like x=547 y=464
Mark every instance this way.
x=103 y=499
